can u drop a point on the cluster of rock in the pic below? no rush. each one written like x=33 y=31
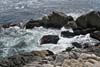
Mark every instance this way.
x=84 y=24
x=83 y=56
x=22 y=59
x=87 y=56
x=74 y=58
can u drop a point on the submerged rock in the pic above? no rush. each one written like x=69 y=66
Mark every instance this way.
x=49 y=39
x=89 y=20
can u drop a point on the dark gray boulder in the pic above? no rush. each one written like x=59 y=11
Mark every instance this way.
x=77 y=45
x=55 y=20
x=89 y=20
x=49 y=39
x=84 y=31
x=32 y=23
x=67 y=34
x=95 y=35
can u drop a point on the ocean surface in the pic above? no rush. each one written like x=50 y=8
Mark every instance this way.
x=15 y=40
x=22 y=10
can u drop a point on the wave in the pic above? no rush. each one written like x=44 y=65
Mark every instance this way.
x=14 y=40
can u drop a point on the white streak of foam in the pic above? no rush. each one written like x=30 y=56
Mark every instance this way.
x=64 y=29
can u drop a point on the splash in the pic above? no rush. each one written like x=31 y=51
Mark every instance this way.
x=14 y=40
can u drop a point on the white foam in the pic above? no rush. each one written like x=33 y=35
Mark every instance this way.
x=64 y=29
x=75 y=15
x=14 y=36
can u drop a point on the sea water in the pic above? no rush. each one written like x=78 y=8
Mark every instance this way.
x=15 y=40
x=22 y=10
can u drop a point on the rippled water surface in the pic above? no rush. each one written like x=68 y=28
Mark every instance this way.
x=21 y=10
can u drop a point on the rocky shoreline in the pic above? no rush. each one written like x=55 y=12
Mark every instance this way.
x=79 y=55
x=69 y=59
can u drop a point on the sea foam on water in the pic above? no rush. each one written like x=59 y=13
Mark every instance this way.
x=15 y=40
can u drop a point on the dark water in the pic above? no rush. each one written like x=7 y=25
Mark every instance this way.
x=21 y=10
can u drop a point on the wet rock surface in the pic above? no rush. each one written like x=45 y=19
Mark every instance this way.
x=49 y=39
x=32 y=23
x=78 y=32
x=95 y=35
x=67 y=34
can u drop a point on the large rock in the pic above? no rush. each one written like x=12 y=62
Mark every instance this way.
x=67 y=34
x=95 y=35
x=91 y=19
x=32 y=23
x=84 y=31
x=77 y=45
x=71 y=24
x=22 y=59
x=77 y=32
x=55 y=20
x=49 y=39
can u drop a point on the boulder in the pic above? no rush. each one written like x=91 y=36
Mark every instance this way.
x=84 y=31
x=25 y=58
x=49 y=39
x=89 y=20
x=77 y=45
x=55 y=20
x=32 y=23
x=70 y=18
x=77 y=32
x=67 y=34
x=86 y=45
x=42 y=53
x=7 y=25
x=71 y=24
x=95 y=35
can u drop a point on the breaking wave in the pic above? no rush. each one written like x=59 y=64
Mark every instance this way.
x=14 y=40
